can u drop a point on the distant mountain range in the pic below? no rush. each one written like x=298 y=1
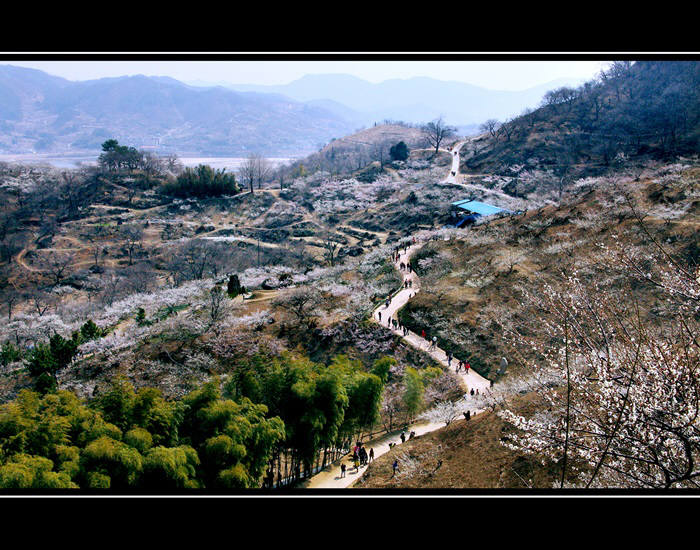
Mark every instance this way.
x=414 y=100
x=47 y=114
x=51 y=115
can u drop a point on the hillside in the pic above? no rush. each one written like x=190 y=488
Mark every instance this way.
x=365 y=154
x=464 y=455
x=171 y=329
x=42 y=113
x=632 y=114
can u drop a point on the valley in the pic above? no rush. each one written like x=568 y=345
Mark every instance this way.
x=182 y=328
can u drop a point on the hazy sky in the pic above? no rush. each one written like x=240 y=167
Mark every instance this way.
x=495 y=75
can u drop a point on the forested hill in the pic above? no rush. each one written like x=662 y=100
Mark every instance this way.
x=640 y=110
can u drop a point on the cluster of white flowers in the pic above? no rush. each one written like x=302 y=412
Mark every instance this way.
x=622 y=398
x=591 y=219
x=447 y=411
x=151 y=302
x=29 y=328
x=255 y=320
x=670 y=212
x=561 y=247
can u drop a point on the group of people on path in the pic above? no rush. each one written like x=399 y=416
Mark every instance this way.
x=463 y=365
x=360 y=457
x=432 y=344
x=391 y=322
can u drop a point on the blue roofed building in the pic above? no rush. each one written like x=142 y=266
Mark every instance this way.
x=468 y=211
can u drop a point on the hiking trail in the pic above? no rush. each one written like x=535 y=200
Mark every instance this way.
x=329 y=477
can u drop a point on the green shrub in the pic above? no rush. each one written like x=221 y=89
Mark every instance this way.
x=9 y=353
x=399 y=151
x=202 y=182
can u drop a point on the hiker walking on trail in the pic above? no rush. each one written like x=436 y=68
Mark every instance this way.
x=466 y=368
x=395 y=467
x=433 y=343
x=357 y=464
x=380 y=316
x=472 y=392
x=386 y=304
x=422 y=334
x=371 y=455
x=403 y=437
x=342 y=469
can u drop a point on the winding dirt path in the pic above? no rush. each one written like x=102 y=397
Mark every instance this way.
x=453 y=175
x=383 y=315
x=20 y=260
x=330 y=477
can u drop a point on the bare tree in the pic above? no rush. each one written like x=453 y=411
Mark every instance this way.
x=436 y=132
x=507 y=128
x=56 y=264
x=70 y=192
x=247 y=171
x=380 y=152
x=254 y=169
x=330 y=246
x=96 y=249
x=216 y=309
x=198 y=258
x=41 y=300
x=173 y=164
x=263 y=170
x=10 y=295
x=132 y=235
x=301 y=302
x=491 y=126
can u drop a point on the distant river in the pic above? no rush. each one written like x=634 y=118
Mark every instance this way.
x=230 y=163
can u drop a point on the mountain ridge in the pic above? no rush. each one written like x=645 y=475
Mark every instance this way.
x=40 y=112
x=415 y=100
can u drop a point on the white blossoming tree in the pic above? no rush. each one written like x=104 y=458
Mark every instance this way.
x=625 y=411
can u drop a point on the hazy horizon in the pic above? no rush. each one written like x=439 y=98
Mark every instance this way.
x=492 y=75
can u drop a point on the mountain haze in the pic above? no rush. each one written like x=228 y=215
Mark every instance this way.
x=415 y=100
x=43 y=113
